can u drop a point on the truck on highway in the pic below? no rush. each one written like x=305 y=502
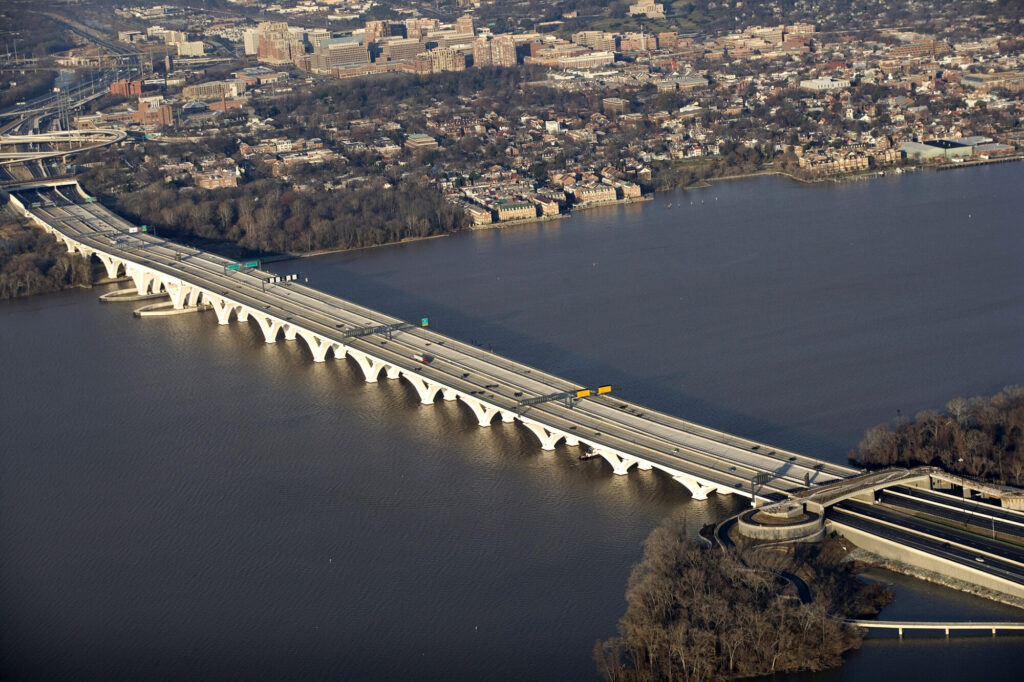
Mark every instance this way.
x=425 y=359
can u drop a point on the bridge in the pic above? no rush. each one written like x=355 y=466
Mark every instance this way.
x=624 y=434
x=902 y=625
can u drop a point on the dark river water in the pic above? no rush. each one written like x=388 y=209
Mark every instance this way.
x=180 y=500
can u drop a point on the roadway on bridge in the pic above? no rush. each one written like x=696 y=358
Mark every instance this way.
x=599 y=421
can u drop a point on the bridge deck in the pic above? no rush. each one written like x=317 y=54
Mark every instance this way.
x=902 y=625
x=674 y=445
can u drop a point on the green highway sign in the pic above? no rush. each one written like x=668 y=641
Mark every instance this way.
x=234 y=266
x=252 y=264
x=145 y=227
x=425 y=322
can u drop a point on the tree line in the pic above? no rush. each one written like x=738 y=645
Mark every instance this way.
x=695 y=613
x=32 y=262
x=981 y=437
x=268 y=215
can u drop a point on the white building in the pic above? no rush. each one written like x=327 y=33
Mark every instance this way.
x=250 y=40
x=190 y=49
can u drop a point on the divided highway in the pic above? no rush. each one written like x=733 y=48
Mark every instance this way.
x=724 y=461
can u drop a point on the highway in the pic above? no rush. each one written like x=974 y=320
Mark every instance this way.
x=600 y=422
x=983 y=518
x=992 y=557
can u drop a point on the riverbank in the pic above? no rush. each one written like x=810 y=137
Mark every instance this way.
x=561 y=216
x=33 y=262
x=521 y=221
x=857 y=175
x=864 y=558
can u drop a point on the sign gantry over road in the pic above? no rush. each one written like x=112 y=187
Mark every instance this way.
x=570 y=398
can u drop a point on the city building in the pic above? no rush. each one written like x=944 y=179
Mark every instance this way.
x=446 y=59
x=497 y=51
x=597 y=40
x=647 y=8
x=419 y=142
x=464 y=24
x=190 y=48
x=614 y=106
x=153 y=111
x=400 y=49
x=126 y=88
x=511 y=209
x=250 y=41
x=338 y=53
x=214 y=89
x=277 y=44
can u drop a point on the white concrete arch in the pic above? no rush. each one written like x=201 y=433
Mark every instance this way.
x=484 y=413
x=222 y=307
x=698 y=489
x=180 y=292
x=371 y=366
x=144 y=279
x=268 y=325
x=113 y=265
x=318 y=346
x=620 y=463
x=427 y=390
x=548 y=438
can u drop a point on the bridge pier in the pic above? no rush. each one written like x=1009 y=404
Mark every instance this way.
x=572 y=441
x=222 y=308
x=143 y=280
x=289 y=332
x=317 y=346
x=484 y=413
x=243 y=314
x=340 y=351
x=508 y=417
x=698 y=490
x=179 y=292
x=110 y=264
x=449 y=393
x=371 y=366
x=620 y=464
x=427 y=390
x=270 y=328
x=548 y=439
x=392 y=372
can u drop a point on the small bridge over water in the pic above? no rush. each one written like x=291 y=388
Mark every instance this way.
x=947 y=627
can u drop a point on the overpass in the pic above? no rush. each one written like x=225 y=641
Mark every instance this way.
x=554 y=409
x=84 y=140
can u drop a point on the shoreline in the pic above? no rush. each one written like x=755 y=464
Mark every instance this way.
x=869 y=559
x=856 y=176
x=518 y=221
